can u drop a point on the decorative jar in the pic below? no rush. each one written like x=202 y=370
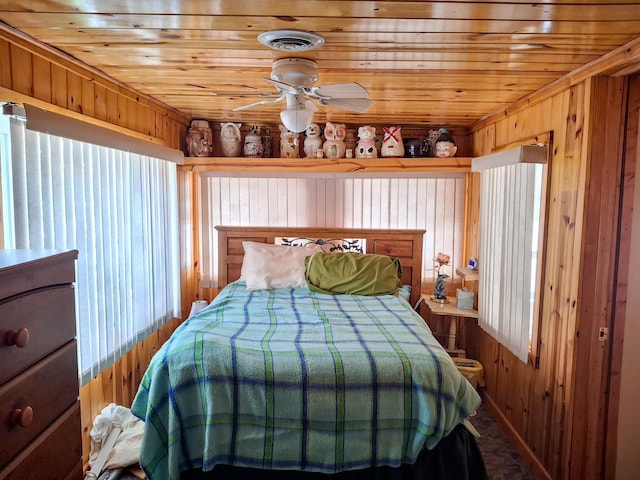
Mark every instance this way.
x=199 y=139
x=230 y=139
x=253 y=143
x=267 y=141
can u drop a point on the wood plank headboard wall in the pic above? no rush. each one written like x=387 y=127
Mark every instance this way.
x=406 y=245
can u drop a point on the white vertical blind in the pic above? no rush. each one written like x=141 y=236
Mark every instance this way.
x=509 y=229
x=435 y=204
x=119 y=210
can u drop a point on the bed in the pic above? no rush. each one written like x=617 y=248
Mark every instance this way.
x=283 y=377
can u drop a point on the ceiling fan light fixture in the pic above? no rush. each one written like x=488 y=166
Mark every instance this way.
x=298 y=114
x=295 y=71
x=296 y=120
x=291 y=40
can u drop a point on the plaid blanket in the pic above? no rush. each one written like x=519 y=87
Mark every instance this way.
x=293 y=379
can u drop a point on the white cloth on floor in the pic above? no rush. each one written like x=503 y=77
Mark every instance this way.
x=126 y=450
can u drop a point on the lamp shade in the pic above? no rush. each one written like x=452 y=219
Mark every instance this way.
x=298 y=114
x=296 y=120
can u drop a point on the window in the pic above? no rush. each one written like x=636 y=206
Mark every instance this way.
x=512 y=211
x=436 y=204
x=119 y=210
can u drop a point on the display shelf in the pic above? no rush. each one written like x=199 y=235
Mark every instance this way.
x=468 y=274
x=328 y=165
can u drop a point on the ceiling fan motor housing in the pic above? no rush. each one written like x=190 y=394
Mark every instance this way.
x=301 y=72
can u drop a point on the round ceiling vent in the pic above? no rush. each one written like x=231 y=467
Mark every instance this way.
x=290 y=40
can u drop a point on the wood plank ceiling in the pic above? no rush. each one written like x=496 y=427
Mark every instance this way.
x=447 y=63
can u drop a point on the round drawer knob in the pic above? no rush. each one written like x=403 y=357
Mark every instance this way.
x=22 y=417
x=19 y=338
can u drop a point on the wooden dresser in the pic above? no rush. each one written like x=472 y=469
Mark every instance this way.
x=40 y=429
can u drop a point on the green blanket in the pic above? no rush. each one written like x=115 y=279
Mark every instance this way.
x=296 y=380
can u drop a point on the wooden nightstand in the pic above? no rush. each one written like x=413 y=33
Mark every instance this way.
x=449 y=310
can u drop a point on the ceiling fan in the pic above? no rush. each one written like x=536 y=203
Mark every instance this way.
x=294 y=78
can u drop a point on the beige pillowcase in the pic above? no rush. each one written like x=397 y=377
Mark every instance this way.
x=266 y=266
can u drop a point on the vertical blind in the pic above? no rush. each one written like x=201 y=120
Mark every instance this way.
x=433 y=204
x=510 y=202
x=119 y=210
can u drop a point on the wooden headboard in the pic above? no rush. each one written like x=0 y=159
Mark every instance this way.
x=403 y=244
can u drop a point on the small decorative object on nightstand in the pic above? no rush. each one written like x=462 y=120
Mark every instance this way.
x=464 y=299
x=440 y=261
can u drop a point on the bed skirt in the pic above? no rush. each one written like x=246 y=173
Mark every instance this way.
x=455 y=457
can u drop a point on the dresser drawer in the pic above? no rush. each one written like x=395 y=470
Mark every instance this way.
x=48 y=388
x=54 y=455
x=49 y=317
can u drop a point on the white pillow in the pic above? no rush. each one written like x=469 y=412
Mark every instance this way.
x=266 y=266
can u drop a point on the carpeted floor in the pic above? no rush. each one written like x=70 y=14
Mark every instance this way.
x=502 y=460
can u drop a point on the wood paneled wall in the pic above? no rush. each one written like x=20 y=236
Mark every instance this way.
x=31 y=73
x=119 y=383
x=541 y=405
x=557 y=422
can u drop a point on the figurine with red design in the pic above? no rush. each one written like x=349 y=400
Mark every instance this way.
x=392 y=145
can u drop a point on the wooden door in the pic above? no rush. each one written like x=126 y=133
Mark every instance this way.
x=599 y=295
x=616 y=376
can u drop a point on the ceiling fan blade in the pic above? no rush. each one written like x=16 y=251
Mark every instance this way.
x=285 y=87
x=247 y=94
x=264 y=102
x=352 y=104
x=340 y=90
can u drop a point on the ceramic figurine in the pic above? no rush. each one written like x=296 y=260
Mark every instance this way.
x=334 y=146
x=439 y=290
x=366 y=147
x=431 y=142
x=441 y=260
x=289 y=147
x=267 y=142
x=350 y=140
x=199 y=139
x=230 y=139
x=445 y=146
x=413 y=147
x=313 y=140
x=253 y=143
x=392 y=145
